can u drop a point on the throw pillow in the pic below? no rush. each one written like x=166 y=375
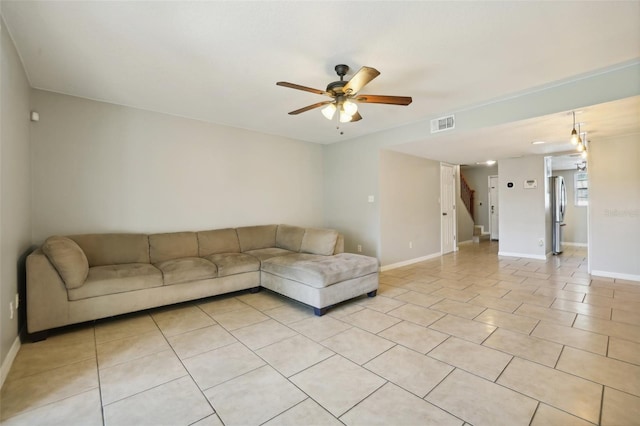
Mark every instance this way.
x=68 y=259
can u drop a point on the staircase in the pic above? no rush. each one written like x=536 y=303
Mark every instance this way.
x=480 y=234
x=467 y=196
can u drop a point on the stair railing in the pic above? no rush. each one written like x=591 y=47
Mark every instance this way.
x=466 y=194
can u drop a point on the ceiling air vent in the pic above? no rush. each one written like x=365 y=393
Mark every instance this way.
x=443 y=123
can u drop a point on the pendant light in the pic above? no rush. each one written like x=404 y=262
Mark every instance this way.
x=581 y=144
x=574 y=135
x=582 y=147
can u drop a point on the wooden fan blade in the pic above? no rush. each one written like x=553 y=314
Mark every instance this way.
x=360 y=79
x=306 y=89
x=356 y=117
x=309 y=107
x=380 y=99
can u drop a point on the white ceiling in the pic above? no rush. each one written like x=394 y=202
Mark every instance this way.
x=219 y=61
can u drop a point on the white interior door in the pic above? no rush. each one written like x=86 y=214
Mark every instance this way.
x=493 y=207
x=448 y=207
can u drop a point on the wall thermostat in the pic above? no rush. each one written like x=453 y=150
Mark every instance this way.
x=509 y=184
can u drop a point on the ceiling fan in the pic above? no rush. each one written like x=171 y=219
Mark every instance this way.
x=345 y=95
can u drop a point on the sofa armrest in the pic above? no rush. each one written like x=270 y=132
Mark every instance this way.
x=47 y=302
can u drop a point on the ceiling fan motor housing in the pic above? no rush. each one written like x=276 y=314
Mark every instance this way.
x=336 y=88
x=341 y=70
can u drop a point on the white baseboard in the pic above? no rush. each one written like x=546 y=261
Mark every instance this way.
x=525 y=255
x=608 y=274
x=8 y=361
x=409 y=262
x=575 y=244
x=465 y=242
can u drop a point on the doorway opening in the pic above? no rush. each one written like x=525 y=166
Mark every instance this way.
x=574 y=170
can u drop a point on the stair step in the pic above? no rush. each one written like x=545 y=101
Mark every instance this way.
x=479 y=230
x=483 y=236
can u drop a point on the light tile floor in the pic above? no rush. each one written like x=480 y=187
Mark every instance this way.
x=468 y=338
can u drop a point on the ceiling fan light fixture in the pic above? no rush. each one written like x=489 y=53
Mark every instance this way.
x=329 y=111
x=345 y=117
x=350 y=107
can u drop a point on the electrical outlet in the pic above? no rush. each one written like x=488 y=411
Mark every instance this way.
x=359 y=248
x=540 y=242
x=10 y=310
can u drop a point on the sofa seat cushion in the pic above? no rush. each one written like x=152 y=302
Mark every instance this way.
x=320 y=271
x=186 y=269
x=268 y=253
x=109 y=279
x=234 y=263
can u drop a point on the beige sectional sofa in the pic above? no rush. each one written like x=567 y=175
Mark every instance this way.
x=86 y=277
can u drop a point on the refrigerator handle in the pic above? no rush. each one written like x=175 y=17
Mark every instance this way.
x=563 y=199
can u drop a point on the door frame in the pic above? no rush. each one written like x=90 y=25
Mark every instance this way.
x=489 y=207
x=454 y=228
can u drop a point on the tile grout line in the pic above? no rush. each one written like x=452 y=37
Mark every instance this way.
x=215 y=412
x=95 y=345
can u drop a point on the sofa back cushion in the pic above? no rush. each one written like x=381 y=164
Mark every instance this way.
x=289 y=237
x=114 y=249
x=68 y=259
x=257 y=237
x=218 y=241
x=174 y=245
x=319 y=241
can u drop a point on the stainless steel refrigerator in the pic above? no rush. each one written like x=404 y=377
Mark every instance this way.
x=558 y=208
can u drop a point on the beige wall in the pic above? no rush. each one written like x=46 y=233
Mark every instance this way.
x=614 y=207
x=464 y=223
x=15 y=194
x=99 y=167
x=409 y=207
x=523 y=216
